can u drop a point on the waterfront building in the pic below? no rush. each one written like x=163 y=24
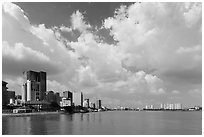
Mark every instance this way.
x=50 y=96
x=168 y=106
x=4 y=93
x=65 y=102
x=162 y=106
x=34 y=87
x=68 y=95
x=86 y=103
x=171 y=106
x=57 y=98
x=18 y=99
x=11 y=97
x=78 y=99
x=98 y=104
x=151 y=106
x=178 y=106
x=53 y=97
x=93 y=105
x=82 y=99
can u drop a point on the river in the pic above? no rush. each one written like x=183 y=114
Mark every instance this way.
x=106 y=123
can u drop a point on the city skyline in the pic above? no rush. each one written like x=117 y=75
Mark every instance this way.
x=128 y=54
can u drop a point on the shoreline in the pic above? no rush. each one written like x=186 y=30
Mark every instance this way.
x=29 y=114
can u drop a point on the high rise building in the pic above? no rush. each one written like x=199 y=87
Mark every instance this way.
x=78 y=98
x=68 y=95
x=98 y=104
x=34 y=86
x=4 y=93
x=82 y=99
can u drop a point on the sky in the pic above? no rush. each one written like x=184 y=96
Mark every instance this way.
x=126 y=54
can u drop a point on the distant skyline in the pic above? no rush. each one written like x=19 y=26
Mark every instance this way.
x=128 y=54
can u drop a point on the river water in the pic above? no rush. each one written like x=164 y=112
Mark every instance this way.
x=106 y=123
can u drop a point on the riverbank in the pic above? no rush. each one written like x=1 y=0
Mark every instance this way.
x=29 y=114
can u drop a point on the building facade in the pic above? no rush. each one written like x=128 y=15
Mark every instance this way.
x=86 y=103
x=78 y=99
x=4 y=93
x=68 y=95
x=98 y=104
x=11 y=97
x=34 y=87
x=53 y=97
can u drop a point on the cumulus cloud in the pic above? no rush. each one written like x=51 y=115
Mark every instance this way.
x=154 y=53
x=21 y=52
x=77 y=20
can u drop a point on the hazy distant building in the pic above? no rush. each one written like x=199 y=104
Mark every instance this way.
x=82 y=99
x=93 y=105
x=167 y=106
x=178 y=106
x=151 y=106
x=4 y=93
x=68 y=95
x=34 y=87
x=98 y=104
x=78 y=99
x=171 y=106
x=162 y=106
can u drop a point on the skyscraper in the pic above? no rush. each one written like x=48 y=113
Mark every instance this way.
x=34 y=87
x=82 y=99
x=98 y=104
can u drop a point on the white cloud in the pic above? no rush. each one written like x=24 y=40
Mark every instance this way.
x=193 y=13
x=78 y=22
x=21 y=52
x=53 y=85
x=189 y=49
x=16 y=12
x=65 y=29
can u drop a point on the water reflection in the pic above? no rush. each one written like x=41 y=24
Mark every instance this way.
x=105 y=123
x=66 y=124
x=37 y=128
